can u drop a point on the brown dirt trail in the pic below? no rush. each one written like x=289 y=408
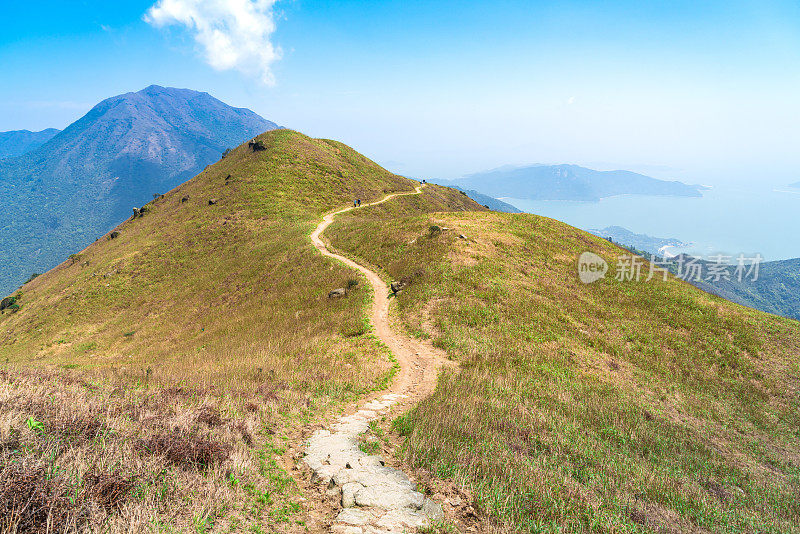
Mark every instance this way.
x=419 y=366
x=419 y=361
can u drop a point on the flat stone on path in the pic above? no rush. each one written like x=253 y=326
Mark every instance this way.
x=375 y=498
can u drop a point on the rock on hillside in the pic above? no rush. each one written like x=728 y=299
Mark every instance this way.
x=61 y=196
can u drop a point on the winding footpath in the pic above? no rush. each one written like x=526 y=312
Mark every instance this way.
x=373 y=497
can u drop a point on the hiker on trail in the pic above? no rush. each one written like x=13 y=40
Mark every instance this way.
x=359 y=202
x=355 y=203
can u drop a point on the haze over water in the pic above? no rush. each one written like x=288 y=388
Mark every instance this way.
x=727 y=219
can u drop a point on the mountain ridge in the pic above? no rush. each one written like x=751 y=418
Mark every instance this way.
x=569 y=182
x=212 y=306
x=18 y=142
x=494 y=204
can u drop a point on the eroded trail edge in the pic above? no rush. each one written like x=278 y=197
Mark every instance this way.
x=372 y=496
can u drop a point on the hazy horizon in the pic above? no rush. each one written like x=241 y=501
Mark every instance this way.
x=442 y=89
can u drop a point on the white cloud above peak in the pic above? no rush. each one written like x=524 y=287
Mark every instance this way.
x=233 y=34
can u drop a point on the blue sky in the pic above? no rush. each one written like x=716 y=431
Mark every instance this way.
x=699 y=91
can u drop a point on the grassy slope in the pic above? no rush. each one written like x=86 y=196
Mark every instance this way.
x=615 y=407
x=209 y=294
x=193 y=309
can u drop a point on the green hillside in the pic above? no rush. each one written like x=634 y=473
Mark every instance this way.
x=612 y=407
x=188 y=279
x=163 y=368
x=771 y=286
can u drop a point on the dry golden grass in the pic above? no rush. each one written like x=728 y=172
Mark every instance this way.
x=78 y=454
x=615 y=407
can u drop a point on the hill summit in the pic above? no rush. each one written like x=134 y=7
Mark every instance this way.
x=64 y=194
x=194 y=341
x=210 y=262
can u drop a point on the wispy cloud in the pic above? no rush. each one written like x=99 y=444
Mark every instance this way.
x=233 y=34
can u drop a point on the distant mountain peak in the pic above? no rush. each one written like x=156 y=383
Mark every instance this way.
x=61 y=195
x=158 y=88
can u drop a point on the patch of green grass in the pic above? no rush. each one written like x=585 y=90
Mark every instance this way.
x=403 y=425
x=439 y=527
x=85 y=346
x=369 y=446
x=284 y=514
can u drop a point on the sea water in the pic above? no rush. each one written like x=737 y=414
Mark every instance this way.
x=730 y=220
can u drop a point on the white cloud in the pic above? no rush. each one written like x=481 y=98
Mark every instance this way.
x=571 y=100
x=233 y=34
